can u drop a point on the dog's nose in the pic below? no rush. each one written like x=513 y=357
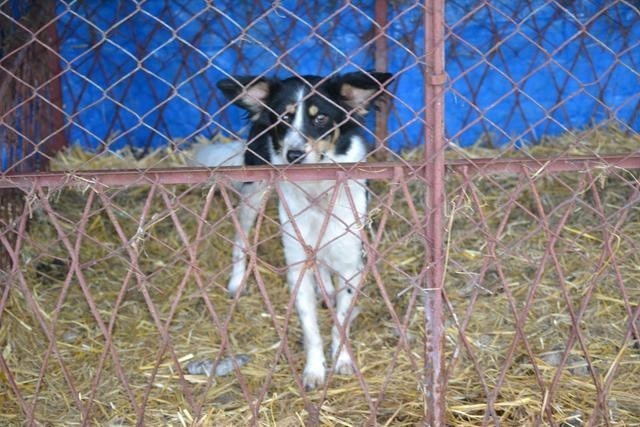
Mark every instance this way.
x=295 y=155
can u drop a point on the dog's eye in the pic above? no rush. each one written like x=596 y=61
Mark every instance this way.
x=287 y=117
x=321 y=120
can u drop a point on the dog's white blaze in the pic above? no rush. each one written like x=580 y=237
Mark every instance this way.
x=294 y=138
x=298 y=121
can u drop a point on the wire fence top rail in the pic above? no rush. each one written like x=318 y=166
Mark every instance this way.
x=379 y=170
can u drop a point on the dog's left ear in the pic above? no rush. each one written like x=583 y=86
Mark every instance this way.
x=248 y=92
x=356 y=91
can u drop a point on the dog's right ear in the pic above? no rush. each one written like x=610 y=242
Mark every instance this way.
x=248 y=92
x=359 y=89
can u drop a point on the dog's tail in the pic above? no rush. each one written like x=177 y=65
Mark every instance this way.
x=219 y=154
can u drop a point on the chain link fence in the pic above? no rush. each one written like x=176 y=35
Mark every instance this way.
x=500 y=279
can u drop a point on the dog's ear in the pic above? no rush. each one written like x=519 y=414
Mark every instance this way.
x=358 y=90
x=248 y=92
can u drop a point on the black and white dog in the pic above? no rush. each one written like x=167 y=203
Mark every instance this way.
x=306 y=120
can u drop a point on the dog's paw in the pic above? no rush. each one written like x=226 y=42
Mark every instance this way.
x=235 y=286
x=344 y=365
x=313 y=377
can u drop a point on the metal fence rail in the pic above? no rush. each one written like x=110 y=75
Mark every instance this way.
x=501 y=258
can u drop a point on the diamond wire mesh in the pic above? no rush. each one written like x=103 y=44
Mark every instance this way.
x=547 y=246
x=119 y=280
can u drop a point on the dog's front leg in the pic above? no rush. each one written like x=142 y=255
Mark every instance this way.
x=345 y=315
x=304 y=293
x=252 y=195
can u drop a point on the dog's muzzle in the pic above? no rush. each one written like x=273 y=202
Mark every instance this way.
x=294 y=156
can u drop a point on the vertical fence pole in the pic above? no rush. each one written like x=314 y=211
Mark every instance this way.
x=381 y=11
x=56 y=141
x=434 y=169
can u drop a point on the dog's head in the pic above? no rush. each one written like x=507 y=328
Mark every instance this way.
x=308 y=119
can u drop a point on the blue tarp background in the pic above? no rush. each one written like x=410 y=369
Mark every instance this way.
x=144 y=75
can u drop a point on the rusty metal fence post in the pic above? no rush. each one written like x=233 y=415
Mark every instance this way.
x=434 y=169
x=381 y=60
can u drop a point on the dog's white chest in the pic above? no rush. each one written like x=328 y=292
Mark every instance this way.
x=326 y=215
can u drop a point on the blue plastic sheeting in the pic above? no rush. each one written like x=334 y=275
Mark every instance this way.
x=147 y=76
x=144 y=75
x=542 y=69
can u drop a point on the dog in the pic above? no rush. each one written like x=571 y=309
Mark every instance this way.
x=306 y=120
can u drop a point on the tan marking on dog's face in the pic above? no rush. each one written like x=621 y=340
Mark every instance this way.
x=328 y=143
x=322 y=146
x=313 y=110
x=335 y=135
x=290 y=109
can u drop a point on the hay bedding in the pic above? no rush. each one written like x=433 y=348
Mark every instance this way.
x=490 y=328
